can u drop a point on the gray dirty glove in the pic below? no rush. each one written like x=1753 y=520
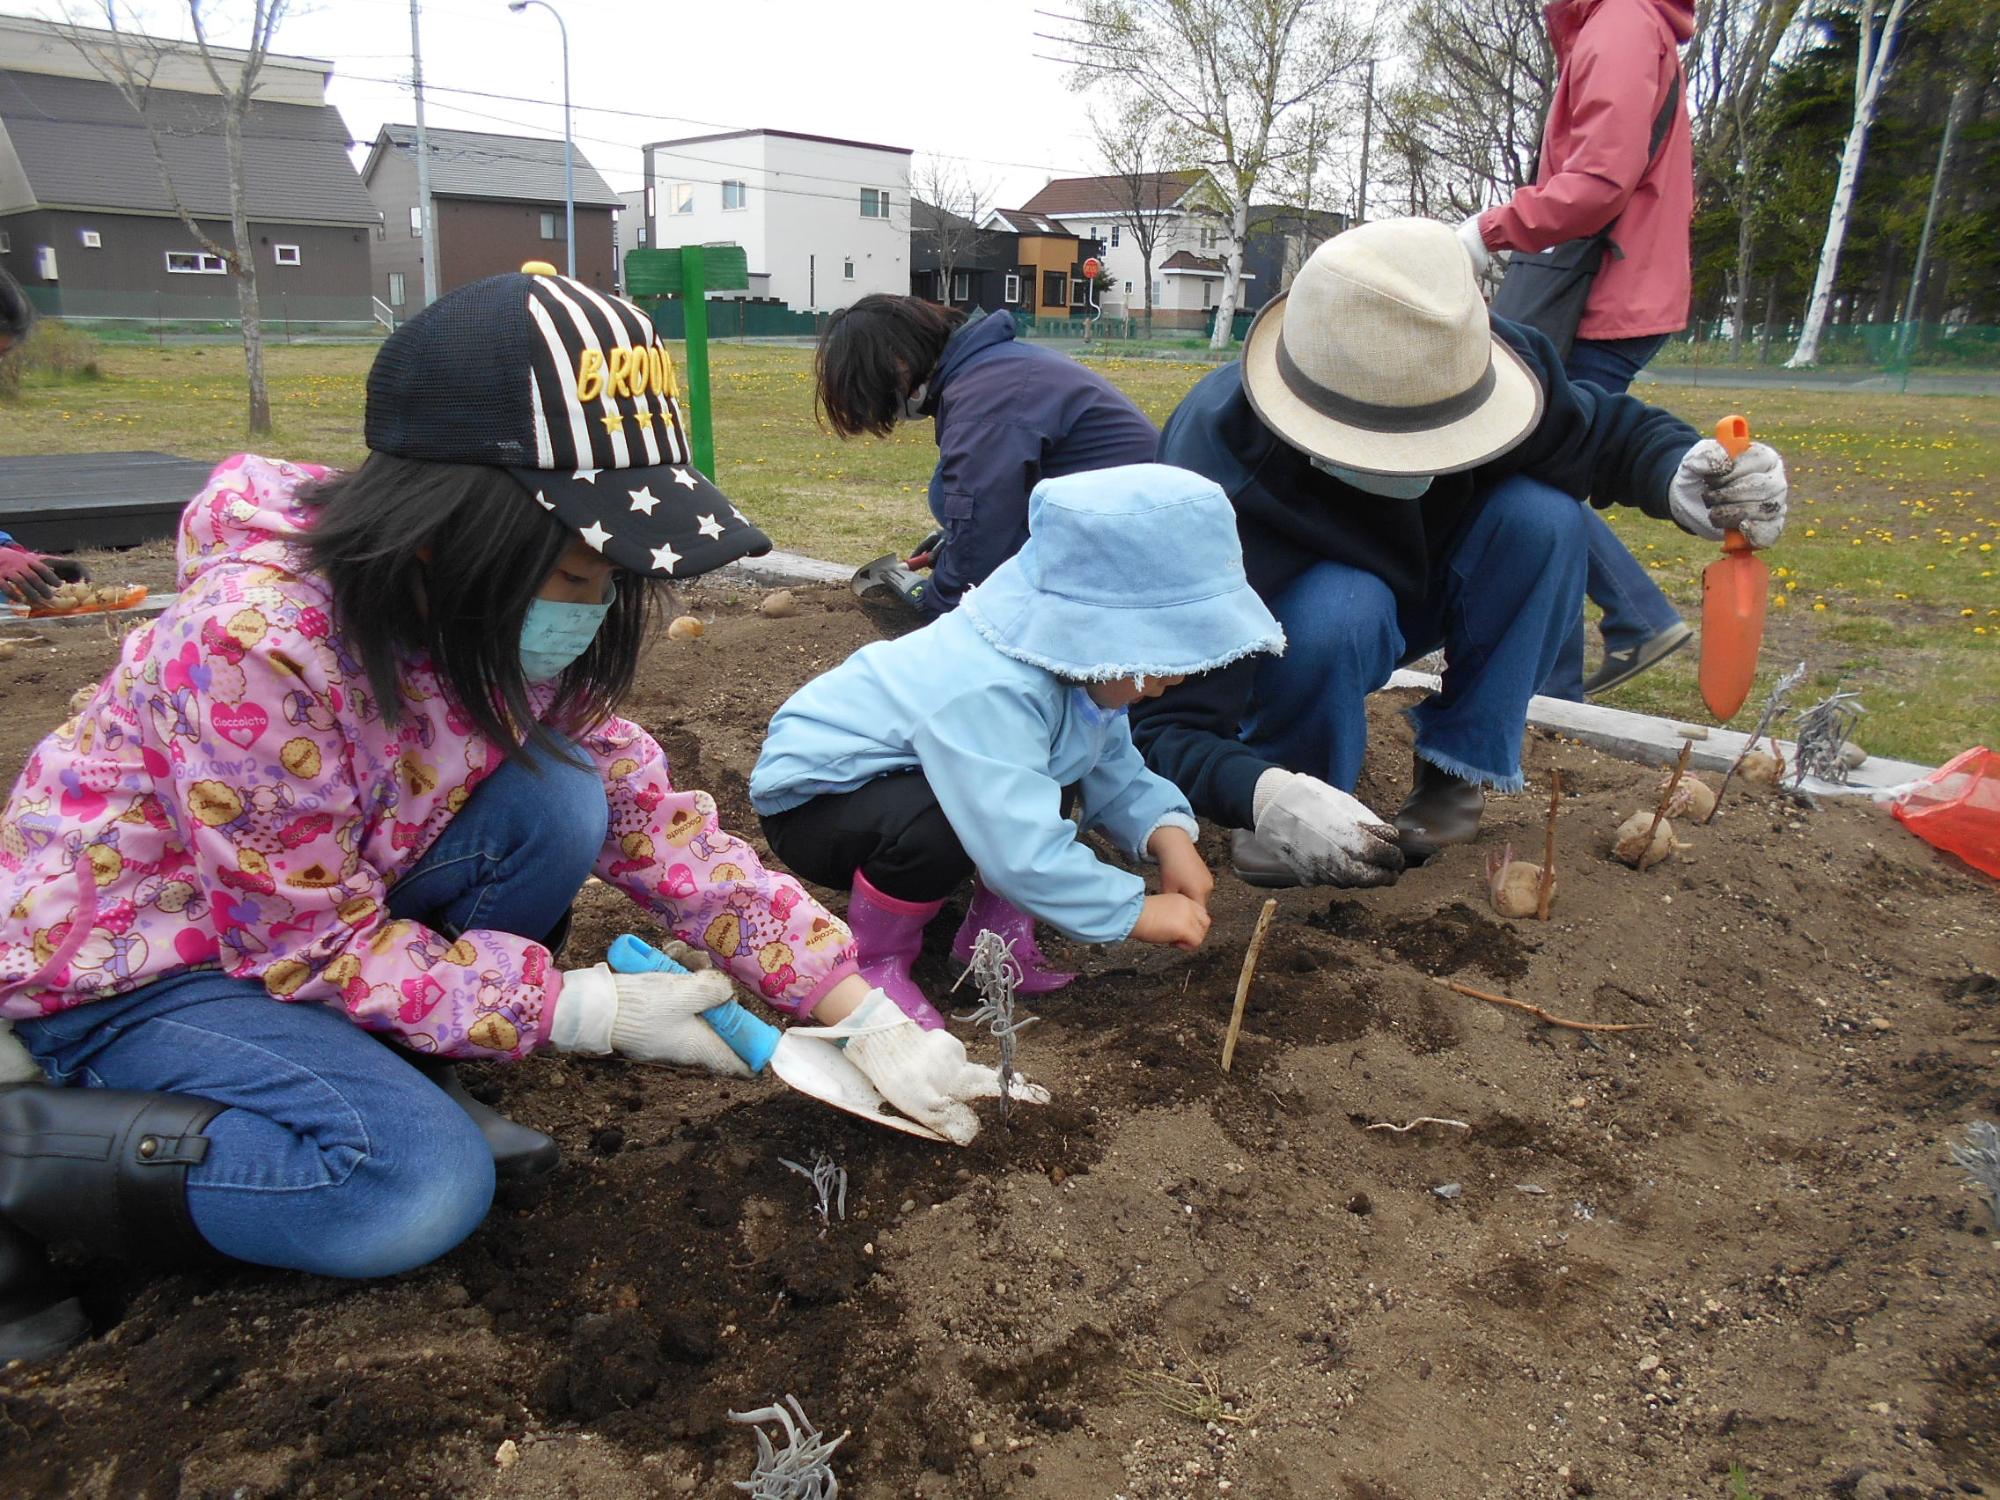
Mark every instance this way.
x=1713 y=493
x=1321 y=834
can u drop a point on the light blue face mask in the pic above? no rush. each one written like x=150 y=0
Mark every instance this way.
x=554 y=635
x=1388 y=486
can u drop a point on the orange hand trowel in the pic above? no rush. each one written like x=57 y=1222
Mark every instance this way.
x=1733 y=590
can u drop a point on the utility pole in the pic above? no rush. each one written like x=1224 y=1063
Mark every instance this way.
x=1367 y=128
x=427 y=218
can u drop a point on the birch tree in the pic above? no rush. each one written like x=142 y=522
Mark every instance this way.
x=130 y=62
x=1224 y=74
x=1877 y=55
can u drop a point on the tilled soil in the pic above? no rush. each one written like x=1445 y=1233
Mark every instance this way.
x=1729 y=1241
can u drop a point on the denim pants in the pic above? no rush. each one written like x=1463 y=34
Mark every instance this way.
x=1634 y=608
x=334 y=1155
x=1500 y=605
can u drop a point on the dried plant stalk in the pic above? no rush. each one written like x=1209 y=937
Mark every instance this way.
x=1680 y=770
x=1243 y=980
x=996 y=973
x=1541 y=1015
x=1547 y=887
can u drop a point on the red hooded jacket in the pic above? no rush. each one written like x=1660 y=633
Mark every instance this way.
x=1616 y=60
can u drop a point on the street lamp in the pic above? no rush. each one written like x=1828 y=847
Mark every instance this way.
x=569 y=146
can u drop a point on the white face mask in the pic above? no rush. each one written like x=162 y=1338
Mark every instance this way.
x=1388 y=486
x=912 y=407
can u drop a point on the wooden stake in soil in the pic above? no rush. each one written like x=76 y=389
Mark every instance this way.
x=1243 y=980
x=1539 y=1014
x=1673 y=784
x=1548 y=884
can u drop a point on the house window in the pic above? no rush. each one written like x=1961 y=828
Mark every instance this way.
x=92 y=240
x=1114 y=236
x=1128 y=288
x=649 y=203
x=6 y=243
x=847 y=270
x=45 y=262
x=1055 y=289
x=874 y=203
x=642 y=234
x=1207 y=292
x=1154 y=293
x=416 y=221
x=1013 y=288
x=734 y=195
x=196 y=263
x=395 y=288
x=961 y=286
x=285 y=255
x=680 y=197
x=1208 y=239
x=552 y=226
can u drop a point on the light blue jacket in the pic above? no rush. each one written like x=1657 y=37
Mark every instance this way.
x=998 y=740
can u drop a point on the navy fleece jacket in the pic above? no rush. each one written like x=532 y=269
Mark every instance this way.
x=1290 y=516
x=1010 y=415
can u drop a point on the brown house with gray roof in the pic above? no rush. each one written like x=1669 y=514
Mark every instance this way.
x=88 y=228
x=498 y=201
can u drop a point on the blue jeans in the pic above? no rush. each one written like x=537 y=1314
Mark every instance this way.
x=334 y=1155
x=1500 y=606
x=1634 y=608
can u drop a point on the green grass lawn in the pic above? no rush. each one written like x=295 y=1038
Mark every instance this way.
x=1886 y=580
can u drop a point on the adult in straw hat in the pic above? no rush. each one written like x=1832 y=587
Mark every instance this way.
x=1407 y=475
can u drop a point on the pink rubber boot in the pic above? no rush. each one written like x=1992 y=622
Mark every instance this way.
x=990 y=912
x=888 y=936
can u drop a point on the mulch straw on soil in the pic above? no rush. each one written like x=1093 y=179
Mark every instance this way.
x=1734 y=1238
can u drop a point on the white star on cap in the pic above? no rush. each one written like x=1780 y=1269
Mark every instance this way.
x=710 y=527
x=543 y=501
x=644 y=499
x=664 y=558
x=596 y=535
x=684 y=477
x=739 y=515
x=587 y=476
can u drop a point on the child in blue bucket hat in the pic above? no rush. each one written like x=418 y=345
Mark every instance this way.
x=946 y=753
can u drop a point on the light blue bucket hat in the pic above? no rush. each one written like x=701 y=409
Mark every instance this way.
x=1127 y=572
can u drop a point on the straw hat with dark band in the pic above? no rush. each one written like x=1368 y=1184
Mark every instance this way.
x=1380 y=358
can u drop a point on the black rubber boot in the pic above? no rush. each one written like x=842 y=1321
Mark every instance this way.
x=520 y=1152
x=103 y=1168
x=1441 y=809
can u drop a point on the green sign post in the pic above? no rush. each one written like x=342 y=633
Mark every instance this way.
x=691 y=272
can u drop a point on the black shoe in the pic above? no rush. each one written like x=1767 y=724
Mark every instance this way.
x=1623 y=666
x=105 y=1168
x=520 y=1152
x=1441 y=809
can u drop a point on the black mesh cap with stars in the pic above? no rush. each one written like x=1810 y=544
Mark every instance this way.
x=572 y=392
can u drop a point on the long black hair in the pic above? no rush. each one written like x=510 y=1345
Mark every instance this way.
x=444 y=560
x=872 y=354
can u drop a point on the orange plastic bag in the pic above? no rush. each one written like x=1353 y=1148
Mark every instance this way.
x=1957 y=809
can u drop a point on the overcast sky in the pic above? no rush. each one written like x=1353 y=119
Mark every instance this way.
x=957 y=78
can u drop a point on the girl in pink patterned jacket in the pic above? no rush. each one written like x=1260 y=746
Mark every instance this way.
x=349 y=782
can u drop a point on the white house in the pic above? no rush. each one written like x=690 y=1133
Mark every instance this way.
x=823 y=221
x=1188 y=246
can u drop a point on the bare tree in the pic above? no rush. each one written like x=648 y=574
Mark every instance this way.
x=1462 y=125
x=960 y=200
x=131 y=63
x=1142 y=164
x=1871 y=71
x=1225 y=74
x=1728 y=61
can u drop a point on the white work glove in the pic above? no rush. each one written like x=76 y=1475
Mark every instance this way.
x=1713 y=493
x=1475 y=246
x=1325 y=836
x=17 y=1064
x=646 y=1017
x=925 y=1074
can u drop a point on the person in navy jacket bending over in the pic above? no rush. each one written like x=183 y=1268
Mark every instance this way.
x=1008 y=414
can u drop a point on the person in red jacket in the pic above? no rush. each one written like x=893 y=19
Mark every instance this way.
x=1619 y=72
